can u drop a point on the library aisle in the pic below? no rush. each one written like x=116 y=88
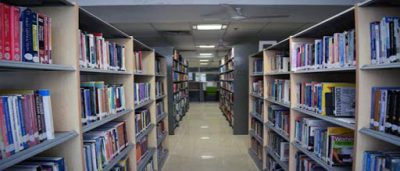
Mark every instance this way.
x=205 y=142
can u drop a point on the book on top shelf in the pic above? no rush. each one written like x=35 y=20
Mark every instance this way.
x=97 y=53
x=336 y=51
x=26 y=35
x=385 y=40
x=258 y=65
x=138 y=61
x=26 y=120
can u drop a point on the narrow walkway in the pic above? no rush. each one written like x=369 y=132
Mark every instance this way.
x=204 y=142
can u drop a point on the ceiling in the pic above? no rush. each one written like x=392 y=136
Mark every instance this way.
x=170 y=25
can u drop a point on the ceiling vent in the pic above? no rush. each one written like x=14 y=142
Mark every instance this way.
x=175 y=33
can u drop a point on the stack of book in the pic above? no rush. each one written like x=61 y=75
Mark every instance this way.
x=335 y=51
x=258 y=87
x=122 y=165
x=279 y=117
x=25 y=120
x=97 y=53
x=279 y=146
x=280 y=63
x=39 y=164
x=138 y=61
x=257 y=127
x=103 y=144
x=258 y=65
x=327 y=99
x=258 y=106
x=303 y=163
x=26 y=35
x=142 y=120
x=159 y=88
x=381 y=161
x=100 y=100
x=385 y=113
x=385 y=40
x=141 y=92
x=159 y=108
x=332 y=144
x=279 y=90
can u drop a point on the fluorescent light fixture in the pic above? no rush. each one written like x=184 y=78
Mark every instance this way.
x=207 y=157
x=203 y=63
x=204 y=126
x=206 y=46
x=204 y=60
x=205 y=54
x=209 y=27
x=204 y=138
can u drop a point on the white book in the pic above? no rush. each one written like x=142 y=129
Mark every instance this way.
x=48 y=114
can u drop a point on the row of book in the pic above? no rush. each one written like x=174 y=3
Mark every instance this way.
x=279 y=146
x=141 y=92
x=176 y=76
x=158 y=66
x=329 y=52
x=272 y=165
x=180 y=107
x=141 y=149
x=122 y=165
x=279 y=117
x=97 y=53
x=257 y=127
x=327 y=98
x=257 y=148
x=381 y=161
x=142 y=120
x=25 y=35
x=305 y=163
x=258 y=86
x=332 y=144
x=180 y=96
x=178 y=86
x=161 y=130
x=228 y=96
x=279 y=90
x=179 y=67
x=227 y=67
x=26 y=120
x=159 y=88
x=228 y=76
x=161 y=153
x=258 y=106
x=100 y=100
x=138 y=61
x=40 y=164
x=385 y=113
x=103 y=144
x=258 y=65
x=385 y=40
x=227 y=86
x=150 y=166
x=159 y=108
x=280 y=63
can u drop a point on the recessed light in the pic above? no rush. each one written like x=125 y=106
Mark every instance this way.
x=204 y=60
x=204 y=138
x=203 y=63
x=205 y=54
x=209 y=27
x=206 y=46
x=204 y=126
x=207 y=157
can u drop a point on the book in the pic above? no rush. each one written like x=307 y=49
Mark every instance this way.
x=280 y=63
x=279 y=118
x=384 y=109
x=381 y=160
x=159 y=88
x=141 y=92
x=279 y=90
x=142 y=120
x=40 y=164
x=258 y=65
x=257 y=86
x=279 y=146
x=385 y=42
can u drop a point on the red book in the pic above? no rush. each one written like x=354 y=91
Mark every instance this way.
x=15 y=34
x=7 y=32
x=32 y=108
x=28 y=120
x=1 y=31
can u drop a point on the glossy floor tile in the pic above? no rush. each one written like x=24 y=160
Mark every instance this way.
x=204 y=142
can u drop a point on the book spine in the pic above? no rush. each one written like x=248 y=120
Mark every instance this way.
x=3 y=128
x=7 y=32
x=2 y=31
x=21 y=117
x=35 y=37
x=8 y=120
x=41 y=40
x=48 y=116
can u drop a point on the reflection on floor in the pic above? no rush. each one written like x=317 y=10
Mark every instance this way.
x=204 y=142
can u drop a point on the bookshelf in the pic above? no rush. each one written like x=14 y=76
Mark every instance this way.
x=64 y=76
x=180 y=91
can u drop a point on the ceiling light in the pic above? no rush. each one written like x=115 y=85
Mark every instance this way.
x=204 y=126
x=204 y=138
x=209 y=27
x=203 y=63
x=204 y=60
x=207 y=157
x=205 y=54
x=206 y=46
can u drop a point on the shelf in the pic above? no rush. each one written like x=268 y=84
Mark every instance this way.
x=393 y=139
x=281 y=45
x=257 y=74
x=342 y=69
x=318 y=159
x=330 y=119
x=161 y=139
x=278 y=131
x=40 y=3
x=118 y=158
x=379 y=3
x=257 y=137
x=380 y=66
x=100 y=71
x=227 y=80
x=160 y=75
x=13 y=65
x=60 y=137
x=256 y=96
x=181 y=81
x=161 y=117
x=160 y=97
x=229 y=60
x=283 y=164
x=181 y=63
x=278 y=73
x=256 y=160
x=94 y=24
x=257 y=116
x=181 y=72
x=146 y=131
x=138 y=45
x=143 y=104
x=145 y=159
x=107 y=119
x=226 y=71
x=278 y=102
x=143 y=74
x=227 y=90
x=162 y=160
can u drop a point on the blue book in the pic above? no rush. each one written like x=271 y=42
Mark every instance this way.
x=22 y=125
x=59 y=161
x=326 y=48
x=342 y=46
x=11 y=147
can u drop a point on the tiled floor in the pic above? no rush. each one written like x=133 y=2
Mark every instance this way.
x=204 y=142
